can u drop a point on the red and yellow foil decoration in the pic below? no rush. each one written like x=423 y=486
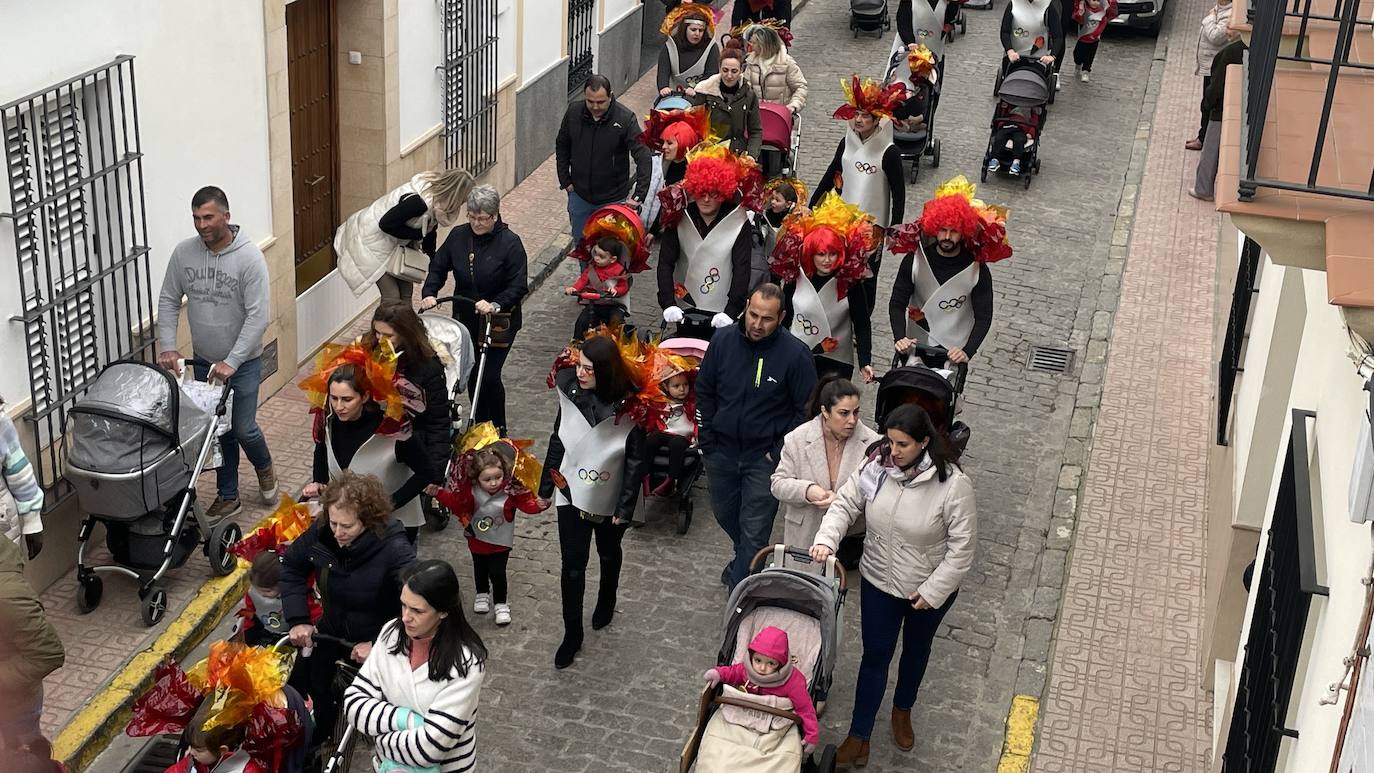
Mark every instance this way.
x=698 y=117
x=526 y=470
x=620 y=223
x=688 y=11
x=855 y=227
x=983 y=225
x=921 y=61
x=723 y=172
x=377 y=369
x=868 y=96
x=798 y=187
x=647 y=406
x=237 y=677
x=284 y=525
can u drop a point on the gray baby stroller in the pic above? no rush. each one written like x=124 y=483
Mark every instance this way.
x=135 y=446
x=869 y=16
x=1018 y=120
x=808 y=606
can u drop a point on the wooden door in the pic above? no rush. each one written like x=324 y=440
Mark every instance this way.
x=312 y=83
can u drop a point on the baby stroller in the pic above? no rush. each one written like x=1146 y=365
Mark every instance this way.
x=921 y=140
x=453 y=344
x=781 y=139
x=672 y=101
x=928 y=380
x=692 y=467
x=809 y=608
x=135 y=446
x=869 y=16
x=1022 y=96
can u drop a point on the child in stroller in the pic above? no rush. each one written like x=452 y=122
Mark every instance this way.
x=1014 y=129
x=1019 y=120
x=769 y=671
x=611 y=249
x=674 y=461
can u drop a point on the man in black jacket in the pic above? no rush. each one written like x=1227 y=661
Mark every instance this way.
x=752 y=390
x=598 y=138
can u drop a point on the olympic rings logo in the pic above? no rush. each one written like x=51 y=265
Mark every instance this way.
x=712 y=277
x=1020 y=32
x=865 y=167
x=953 y=303
x=924 y=33
x=808 y=327
x=485 y=524
x=593 y=476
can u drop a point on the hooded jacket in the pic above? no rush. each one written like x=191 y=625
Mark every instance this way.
x=733 y=116
x=29 y=646
x=491 y=266
x=750 y=394
x=594 y=156
x=771 y=642
x=360 y=585
x=228 y=298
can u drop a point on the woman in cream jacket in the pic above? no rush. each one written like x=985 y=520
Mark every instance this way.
x=919 y=545
x=817 y=458
x=771 y=71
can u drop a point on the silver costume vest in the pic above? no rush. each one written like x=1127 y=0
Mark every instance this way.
x=269 y=612
x=593 y=459
x=706 y=266
x=948 y=307
x=1028 y=24
x=489 y=522
x=928 y=25
x=818 y=315
x=861 y=170
x=377 y=456
x=678 y=422
x=689 y=77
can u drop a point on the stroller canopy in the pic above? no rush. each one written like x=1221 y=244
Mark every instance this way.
x=808 y=594
x=131 y=416
x=918 y=385
x=1026 y=85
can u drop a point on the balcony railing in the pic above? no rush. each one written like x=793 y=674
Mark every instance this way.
x=1236 y=330
x=1268 y=18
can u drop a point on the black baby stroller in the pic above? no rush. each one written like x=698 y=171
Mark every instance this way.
x=928 y=380
x=920 y=140
x=681 y=491
x=809 y=607
x=1022 y=96
x=135 y=446
x=869 y=16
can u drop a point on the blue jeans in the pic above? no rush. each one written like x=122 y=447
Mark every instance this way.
x=579 y=209
x=883 y=619
x=738 y=482
x=244 y=427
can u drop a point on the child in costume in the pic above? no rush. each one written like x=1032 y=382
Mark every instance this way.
x=484 y=493
x=262 y=620
x=675 y=374
x=768 y=670
x=1092 y=16
x=612 y=248
x=215 y=751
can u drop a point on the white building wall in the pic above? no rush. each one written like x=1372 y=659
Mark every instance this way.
x=613 y=11
x=202 y=105
x=506 y=31
x=1328 y=384
x=420 y=36
x=543 y=37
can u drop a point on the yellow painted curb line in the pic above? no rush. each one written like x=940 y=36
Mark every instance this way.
x=1020 y=738
x=104 y=716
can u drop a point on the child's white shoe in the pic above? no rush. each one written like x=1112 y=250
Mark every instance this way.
x=503 y=614
x=482 y=604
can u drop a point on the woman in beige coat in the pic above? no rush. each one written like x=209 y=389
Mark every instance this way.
x=919 y=545
x=817 y=458
x=771 y=71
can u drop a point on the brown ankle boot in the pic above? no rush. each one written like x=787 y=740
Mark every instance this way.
x=901 y=729
x=853 y=753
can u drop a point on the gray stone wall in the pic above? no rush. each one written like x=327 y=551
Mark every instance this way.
x=536 y=124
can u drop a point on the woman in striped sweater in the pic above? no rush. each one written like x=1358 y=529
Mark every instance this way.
x=21 y=498
x=416 y=694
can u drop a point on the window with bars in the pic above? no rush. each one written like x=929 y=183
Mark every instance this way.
x=1229 y=366
x=581 y=33
x=75 y=178
x=469 y=73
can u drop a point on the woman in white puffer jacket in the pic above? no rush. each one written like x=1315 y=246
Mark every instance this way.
x=771 y=71
x=1212 y=36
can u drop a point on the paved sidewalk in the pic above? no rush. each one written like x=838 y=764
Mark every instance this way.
x=1125 y=690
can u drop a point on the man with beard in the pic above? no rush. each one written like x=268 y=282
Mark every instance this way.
x=942 y=295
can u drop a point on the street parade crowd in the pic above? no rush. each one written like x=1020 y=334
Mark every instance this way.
x=769 y=285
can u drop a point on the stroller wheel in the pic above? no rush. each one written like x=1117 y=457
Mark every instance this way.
x=154 y=605
x=827 y=761
x=1027 y=181
x=983 y=175
x=684 y=514
x=222 y=540
x=89 y=590
x=935 y=155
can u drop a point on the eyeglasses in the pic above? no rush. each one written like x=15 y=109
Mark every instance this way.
x=480 y=218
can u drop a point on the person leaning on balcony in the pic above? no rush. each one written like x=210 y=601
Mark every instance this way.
x=21 y=498
x=224 y=278
x=1205 y=183
x=371 y=240
x=1211 y=38
x=29 y=650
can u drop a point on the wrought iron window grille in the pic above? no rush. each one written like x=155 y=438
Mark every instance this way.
x=581 y=35
x=469 y=73
x=1237 y=327
x=75 y=177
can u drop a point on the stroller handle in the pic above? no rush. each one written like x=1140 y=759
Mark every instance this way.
x=832 y=567
x=224 y=391
x=321 y=638
x=927 y=353
x=452 y=298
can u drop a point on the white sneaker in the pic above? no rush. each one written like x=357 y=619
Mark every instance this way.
x=482 y=604
x=1083 y=76
x=1057 y=84
x=503 y=614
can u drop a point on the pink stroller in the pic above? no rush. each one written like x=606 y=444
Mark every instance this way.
x=781 y=139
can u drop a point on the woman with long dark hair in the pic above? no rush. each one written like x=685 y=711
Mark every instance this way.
x=417 y=693
x=690 y=51
x=921 y=529
x=594 y=465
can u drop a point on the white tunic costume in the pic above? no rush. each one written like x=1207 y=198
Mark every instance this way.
x=706 y=265
x=861 y=169
x=593 y=459
x=818 y=315
x=1028 y=25
x=377 y=456
x=948 y=307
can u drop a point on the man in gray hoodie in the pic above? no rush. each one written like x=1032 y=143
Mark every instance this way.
x=223 y=276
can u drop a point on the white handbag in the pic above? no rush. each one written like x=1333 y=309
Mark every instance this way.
x=409 y=264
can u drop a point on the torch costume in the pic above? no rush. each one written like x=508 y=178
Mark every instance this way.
x=924 y=22
x=685 y=14
x=687 y=129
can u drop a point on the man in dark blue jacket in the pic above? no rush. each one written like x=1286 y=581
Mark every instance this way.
x=752 y=390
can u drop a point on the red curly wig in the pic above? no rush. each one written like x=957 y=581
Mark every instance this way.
x=821 y=240
x=949 y=212
x=683 y=134
x=710 y=175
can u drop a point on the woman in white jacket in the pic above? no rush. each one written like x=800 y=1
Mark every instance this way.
x=817 y=458
x=1211 y=38
x=417 y=692
x=390 y=242
x=771 y=71
x=921 y=530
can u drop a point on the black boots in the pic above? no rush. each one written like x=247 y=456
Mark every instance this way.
x=567 y=651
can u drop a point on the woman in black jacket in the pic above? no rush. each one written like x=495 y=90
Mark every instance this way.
x=489 y=266
x=419 y=364
x=594 y=465
x=355 y=553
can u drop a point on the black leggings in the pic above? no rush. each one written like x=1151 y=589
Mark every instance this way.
x=489 y=569
x=673 y=446
x=1017 y=136
x=1084 y=53
x=575 y=535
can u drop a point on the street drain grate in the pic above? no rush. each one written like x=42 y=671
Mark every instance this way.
x=1050 y=359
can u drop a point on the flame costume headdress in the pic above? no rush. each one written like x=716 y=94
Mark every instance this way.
x=376 y=367
x=525 y=471
x=983 y=226
x=619 y=222
x=798 y=188
x=285 y=524
x=833 y=226
x=688 y=128
x=868 y=96
x=647 y=406
x=244 y=687
x=921 y=61
x=784 y=34
x=691 y=12
x=713 y=169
